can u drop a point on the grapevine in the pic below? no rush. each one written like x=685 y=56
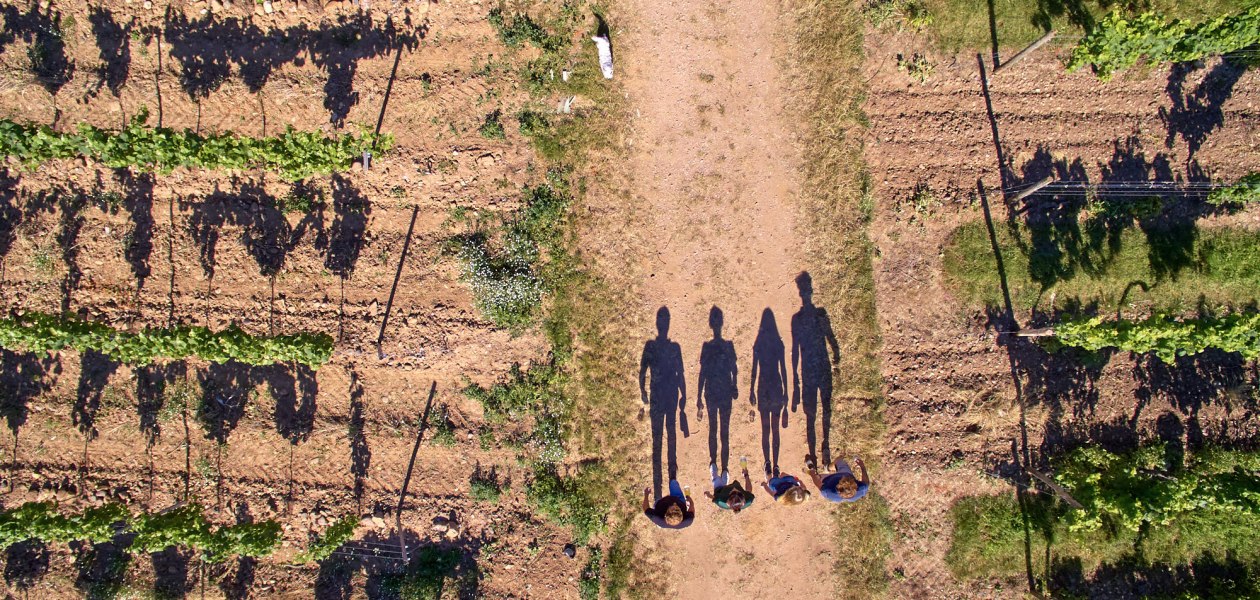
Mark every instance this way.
x=183 y=526
x=294 y=154
x=1119 y=42
x=1164 y=335
x=39 y=332
x=337 y=534
x=1129 y=490
x=1247 y=190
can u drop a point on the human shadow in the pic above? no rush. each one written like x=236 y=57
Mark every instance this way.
x=101 y=569
x=1194 y=115
x=360 y=453
x=25 y=564
x=768 y=387
x=718 y=385
x=113 y=40
x=812 y=335
x=208 y=47
x=43 y=30
x=662 y=364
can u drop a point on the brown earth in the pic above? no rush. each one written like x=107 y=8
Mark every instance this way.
x=955 y=427
x=206 y=248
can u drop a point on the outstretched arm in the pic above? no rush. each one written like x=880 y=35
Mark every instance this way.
x=647 y=505
x=861 y=465
x=830 y=336
x=643 y=369
x=747 y=480
x=796 y=359
x=752 y=382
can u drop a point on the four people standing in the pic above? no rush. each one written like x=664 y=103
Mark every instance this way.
x=665 y=398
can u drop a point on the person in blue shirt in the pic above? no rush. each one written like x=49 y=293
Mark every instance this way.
x=842 y=485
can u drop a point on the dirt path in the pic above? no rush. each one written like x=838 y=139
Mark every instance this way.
x=718 y=172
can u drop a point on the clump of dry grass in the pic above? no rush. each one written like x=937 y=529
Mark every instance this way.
x=827 y=58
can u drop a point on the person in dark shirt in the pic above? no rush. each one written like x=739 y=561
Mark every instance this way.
x=673 y=511
x=730 y=496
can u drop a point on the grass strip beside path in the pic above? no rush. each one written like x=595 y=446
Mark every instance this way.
x=827 y=56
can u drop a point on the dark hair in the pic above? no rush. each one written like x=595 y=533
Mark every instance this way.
x=735 y=500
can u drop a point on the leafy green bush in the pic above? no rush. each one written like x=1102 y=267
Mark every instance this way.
x=537 y=393
x=521 y=29
x=1144 y=503
x=588 y=585
x=40 y=332
x=492 y=127
x=1131 y=491
x=294 y=154
x=443 y=431
x=183 y=526
x=1119 y=42
x=567 y=500
x=1246 y=191
x=504 y=267
x=1163 y=335
x=337 y=534
x=484 y=489
x=41 y=521
x=426 y=574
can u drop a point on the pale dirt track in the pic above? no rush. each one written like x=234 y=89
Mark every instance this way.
x=716 y=175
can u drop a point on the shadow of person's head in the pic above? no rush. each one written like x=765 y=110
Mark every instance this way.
x=715 y=321
x=662 y=322
x=805 y=285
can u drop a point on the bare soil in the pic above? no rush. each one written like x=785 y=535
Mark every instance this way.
x=955 y=425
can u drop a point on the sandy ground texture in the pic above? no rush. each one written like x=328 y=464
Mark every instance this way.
x=716 y=172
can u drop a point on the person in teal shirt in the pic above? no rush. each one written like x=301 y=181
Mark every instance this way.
x=730 y=496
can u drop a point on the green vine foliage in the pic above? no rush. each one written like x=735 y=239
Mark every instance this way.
x=294 y=154
x=1163 y=335
x=183 y=526
x=40 y=520
x=36 y=332
x=1119 y=42
x=1131 y=490
x=337 y=534
x=186 y=526
x=1246 y=191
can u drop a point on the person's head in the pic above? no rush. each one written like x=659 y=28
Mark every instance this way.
x=805 y=285
x=715 y=321
x=848 y=486
x=796 y=495
x=674 y=515
x=735 y=500
x=662 y=321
